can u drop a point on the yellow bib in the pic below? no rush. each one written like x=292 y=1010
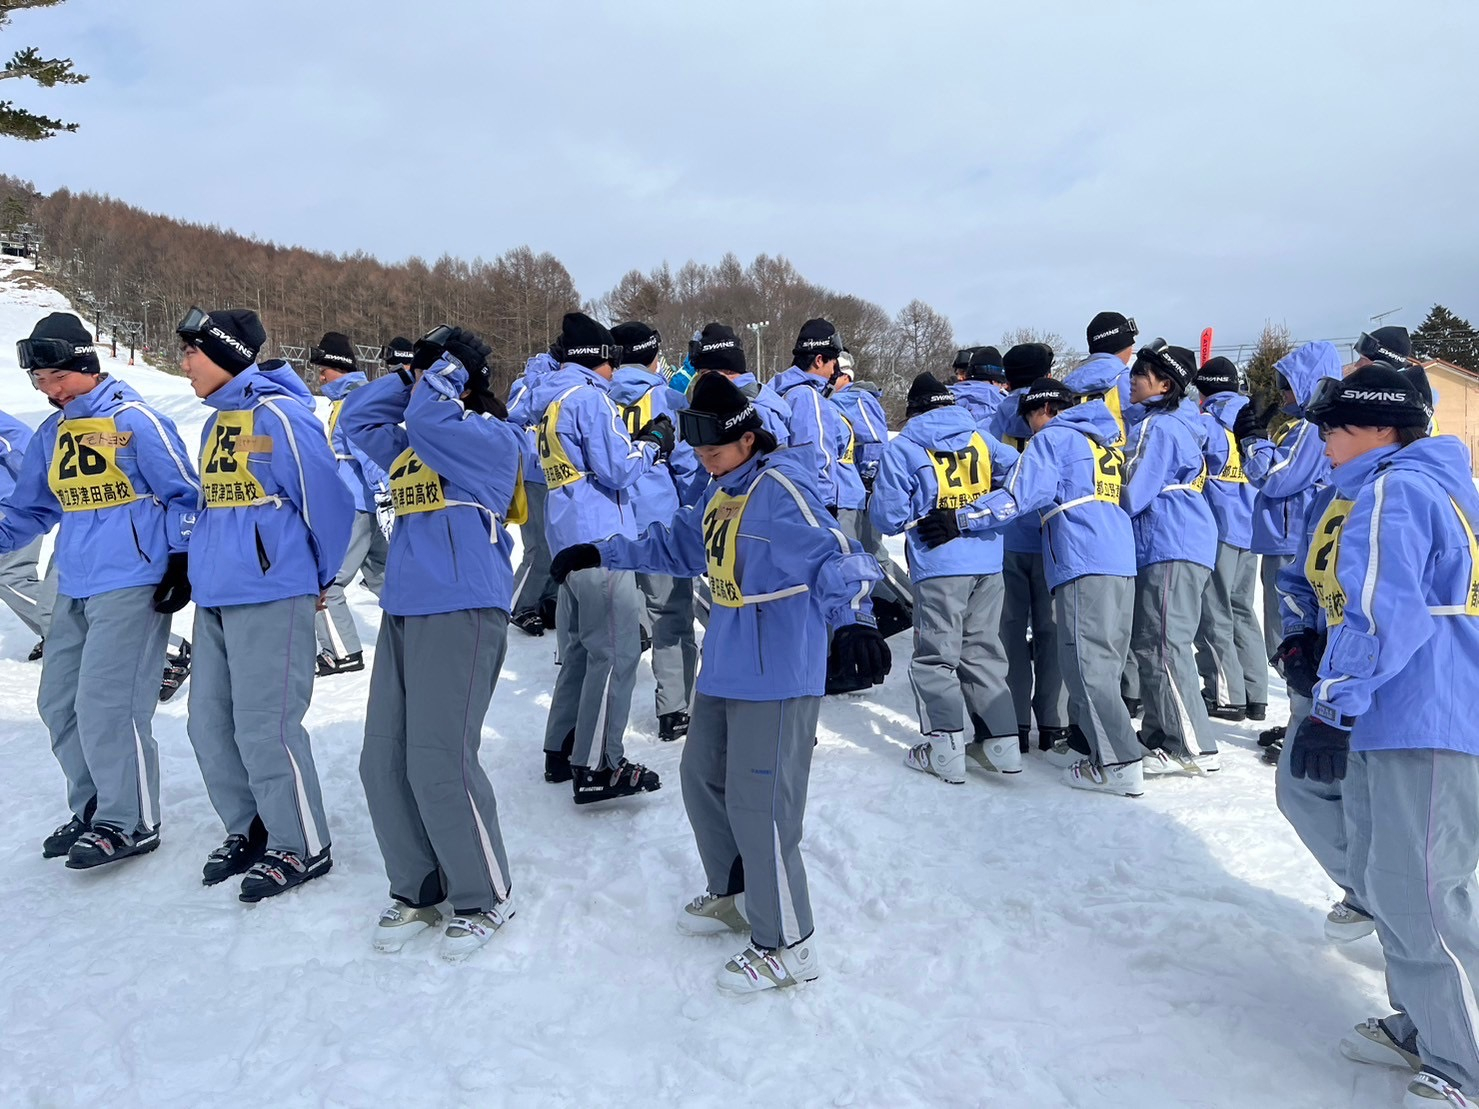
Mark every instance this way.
x=414 y=486
x=962 y=477
x=1115 y=405
x=1320 y=563
x=559 y=471
x=518 y=508
x=1109 y=471
x=1232 y=470
x=1471 y=598
x=224 y=471
x=334 y=406
x=84 y=467
x=1199 y=482
x=638 y=414
x=847 y=456
x=1017 y=443
x=721 y=544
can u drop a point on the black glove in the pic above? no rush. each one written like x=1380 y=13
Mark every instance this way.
x=1299 y=659
x=937 y=526
x=173 y=591
x=660 y=432
x=1250 y=424
x=861 y=650
x=469 y=349
x=425 y=352
x=582 y=556
x=1318 y=751
x=833 y=509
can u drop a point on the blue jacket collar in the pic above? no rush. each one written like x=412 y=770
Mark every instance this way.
x=339 y=388
x=1349 y=478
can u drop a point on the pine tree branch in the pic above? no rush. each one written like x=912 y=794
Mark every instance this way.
x=8 y=6
x=46 y=72
x=18 y=123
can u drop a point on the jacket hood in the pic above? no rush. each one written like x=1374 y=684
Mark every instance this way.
x=266 y=379
x=541 y=363
x=948 y=428
x=104 y=398
x=1443 y=459
x=796 y=376
x=983 y=391
x=1091 y=418
x=1305 y=367
x=338 y=389
x=548 y=386
x=1096 y=374
x=1224 y=407
x=631 y=382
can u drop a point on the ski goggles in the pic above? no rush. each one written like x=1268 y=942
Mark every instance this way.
x=705 y=429
x=194 y=325
x=1153 y=356
x=393 y=356
x=1367 y=347
x=49 y=354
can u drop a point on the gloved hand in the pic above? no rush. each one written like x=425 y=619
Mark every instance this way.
x=469 y=349
x=582 y=556
x=1250 y=424
x=173 y=591
x=937 y=526
x=1299 y=658
x=1319 y=751
x=660 y=432
x=860 y=649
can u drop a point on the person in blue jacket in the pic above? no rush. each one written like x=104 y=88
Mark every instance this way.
x=455 y=483
x=1175 y=550
x=1105 y=374
x=114 y=477
x=1286 y=470
x=270 y=537
x=535 y=591
x=1393 y=716
x=592 y=465
x=643 y=394
x=939 y=463
x=817 y=428
x=338 y=639
x=782 y=573
x=21 y=588
x=1034 y=673
x=980 y=383
x=1231 y=654
x=1071 y=473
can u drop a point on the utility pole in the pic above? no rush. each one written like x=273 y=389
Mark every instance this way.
x=758 y=328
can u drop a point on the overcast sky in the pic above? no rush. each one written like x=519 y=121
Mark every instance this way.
x=1186 y=162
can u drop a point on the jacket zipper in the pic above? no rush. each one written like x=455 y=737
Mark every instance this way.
x=137 y=545
x=262 y=559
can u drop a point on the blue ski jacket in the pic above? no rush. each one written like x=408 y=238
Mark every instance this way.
x=1070 y=473
x=1403 y=660
x=1106 y=377
x=936 y=447
x=1165 y=473
x=1024 y=534
x=521 y=414
x=1229 y=494
x=816 y=427
x=775 y=413
x=788 y=571
x=105 y=448
x=15 y=437
x=982 y=399
x=643 y=395
x=454 y=474
x=1287 y=470
x=864 y=412
x=590 y=463
x=361 y=477
x=274 y=518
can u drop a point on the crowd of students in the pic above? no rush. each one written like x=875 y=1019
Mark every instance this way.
x=1082 y=550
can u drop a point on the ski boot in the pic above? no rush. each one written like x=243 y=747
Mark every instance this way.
x=279 y=871
x=557 y=763
x=468 y=931
x=672 y=726
x=529 y=622
x=103 y=844
x=758 y=968
x=712 y=914
x=328 y=664
x=941 y=754
x=60 y=841
x=622 y=780
x=235 y=856
x=176 y=670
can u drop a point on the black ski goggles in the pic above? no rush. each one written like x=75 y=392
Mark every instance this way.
x=194 y=325
x=48 y=354
x=705 y=429
x=1367 y=347
x=392 y=356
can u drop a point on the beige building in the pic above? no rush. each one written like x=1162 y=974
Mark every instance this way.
x=1458 y=404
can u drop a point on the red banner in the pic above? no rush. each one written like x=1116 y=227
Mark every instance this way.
x=1206 y=345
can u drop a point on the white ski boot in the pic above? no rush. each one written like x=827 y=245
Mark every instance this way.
x=1158 y=762
x=1125 y=779
x=712 y=915
x=1000 y=754
x=400 y=924
x=1372 y=1043
x=466 y=932
x=1346 y=923
x=1208 y=762
x=1429 y=1089
x=941 y=754
x=755 y=969
x=1063 y=756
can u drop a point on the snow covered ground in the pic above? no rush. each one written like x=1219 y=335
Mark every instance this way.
x=1006 y=943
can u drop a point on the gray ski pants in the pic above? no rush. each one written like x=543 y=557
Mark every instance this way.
x=23 y=591
x=1034 y=669
x=1414 y=817
x=745 y=770
x=669 y=609
x=1273 y=623
x=1168 y=607
x=251 y=680
x=600 y=613
x=959 y=668
x=431 y=803
x=1229 y=642
x=367 y=549
x=857 y=524
x=532 y=583
x=99 y=689
x=1093 y=617
x=1316 y=812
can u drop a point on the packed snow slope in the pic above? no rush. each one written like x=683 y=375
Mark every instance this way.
x=1008 y=942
